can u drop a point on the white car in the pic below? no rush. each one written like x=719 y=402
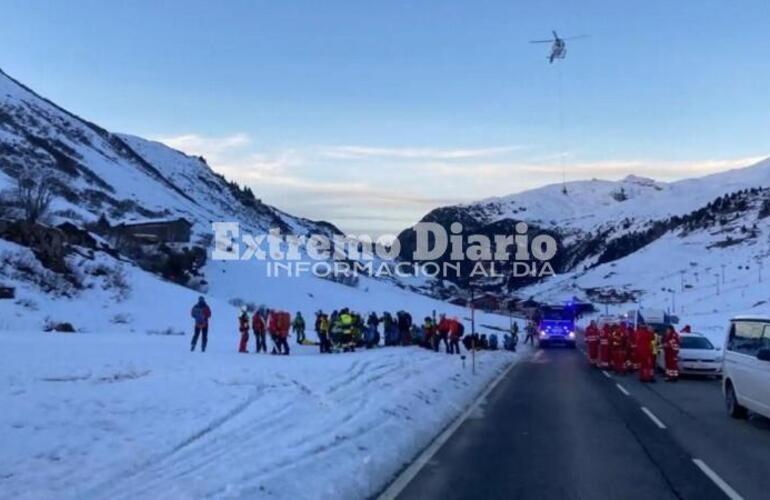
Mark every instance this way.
x=746 y=373
x=697 y=356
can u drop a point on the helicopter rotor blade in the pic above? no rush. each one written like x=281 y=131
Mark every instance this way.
x=575 y=37
x=541 y=41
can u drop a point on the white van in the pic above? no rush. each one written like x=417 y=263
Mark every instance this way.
x=746 y=377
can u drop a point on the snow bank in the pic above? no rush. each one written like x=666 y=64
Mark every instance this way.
x=121 y=416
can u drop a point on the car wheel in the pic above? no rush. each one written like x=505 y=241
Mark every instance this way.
x=734 y=409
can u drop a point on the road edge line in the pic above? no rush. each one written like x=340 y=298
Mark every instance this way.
x=654 y=418
x=403 y=479
x=623 y=389
x=721 y=483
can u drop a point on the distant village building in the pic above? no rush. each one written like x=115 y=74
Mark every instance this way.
x=486 y=302
x=157 y=230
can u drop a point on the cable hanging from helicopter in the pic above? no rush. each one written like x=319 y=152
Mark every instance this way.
x=559 y=51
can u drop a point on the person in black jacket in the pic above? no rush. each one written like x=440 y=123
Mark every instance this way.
x=404 y=327
x=201 y=314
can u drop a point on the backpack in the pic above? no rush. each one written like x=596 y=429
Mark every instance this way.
x=284 y=322
x=199 y=314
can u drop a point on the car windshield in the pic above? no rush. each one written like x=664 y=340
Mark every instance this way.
x=695 y=343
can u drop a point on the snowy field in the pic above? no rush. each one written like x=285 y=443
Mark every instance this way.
x=121 y=416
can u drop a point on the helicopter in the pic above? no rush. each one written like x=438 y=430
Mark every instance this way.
x=558 y=47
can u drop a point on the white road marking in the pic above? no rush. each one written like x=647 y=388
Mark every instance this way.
x=623 y=390
x=653 y=418
x=406 y=476
x=606 y=374
x=731 y=493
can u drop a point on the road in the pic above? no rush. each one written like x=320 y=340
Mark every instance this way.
x=556 y=428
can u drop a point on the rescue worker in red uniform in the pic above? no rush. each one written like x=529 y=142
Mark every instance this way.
x=671 y=354
x=278 y=325
x=456 y=331
x=592 y=342
x=258 y=326
x=632 y=363
x=604 y=347
x=243 y=327
x=645 y=349
x=442 y=333
x=618 y=343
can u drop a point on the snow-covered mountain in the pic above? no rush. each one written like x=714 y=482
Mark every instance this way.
x=125 y=178
x=597 y=220
x=590 y=205
x=639 y=240
x=121 y=176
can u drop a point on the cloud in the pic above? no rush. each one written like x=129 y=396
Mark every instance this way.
x=391 y=188
x=233 y=156
x=209 y=147
x=368 y=152
x=659 y=169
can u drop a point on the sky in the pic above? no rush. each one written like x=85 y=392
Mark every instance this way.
x=369 y=114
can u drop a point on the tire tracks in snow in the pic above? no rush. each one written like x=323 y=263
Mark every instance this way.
x=244 y=437
x=126 y=476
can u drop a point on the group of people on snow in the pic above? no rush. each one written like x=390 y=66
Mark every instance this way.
x=345 y=330
x=264 y=322
x=624 y=348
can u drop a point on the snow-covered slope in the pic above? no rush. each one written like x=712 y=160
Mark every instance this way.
x=129 y=177
x=594 y=203
x=122 y=176
x=598 y=221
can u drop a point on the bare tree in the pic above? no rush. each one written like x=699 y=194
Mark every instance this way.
x=34 y=195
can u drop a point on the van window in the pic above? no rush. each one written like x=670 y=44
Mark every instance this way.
x=766 y=338
x=746 y=337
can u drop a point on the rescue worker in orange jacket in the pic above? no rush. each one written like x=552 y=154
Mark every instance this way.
x=456 y=332
x=618 y=344
x=671 y=354
x=243 y=327
x=604 y=347
x=278 y=325
x=442 y=333
x=592 y=342
x=632 y=361
x=645 y=349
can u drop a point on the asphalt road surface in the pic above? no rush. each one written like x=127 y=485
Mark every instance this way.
x=556 y=428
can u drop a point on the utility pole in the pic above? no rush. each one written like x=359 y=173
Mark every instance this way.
x=673 y=301
x=717 y=277
x=760 y=270
x=681 y=275
x=723 y=273
x=473 y=332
